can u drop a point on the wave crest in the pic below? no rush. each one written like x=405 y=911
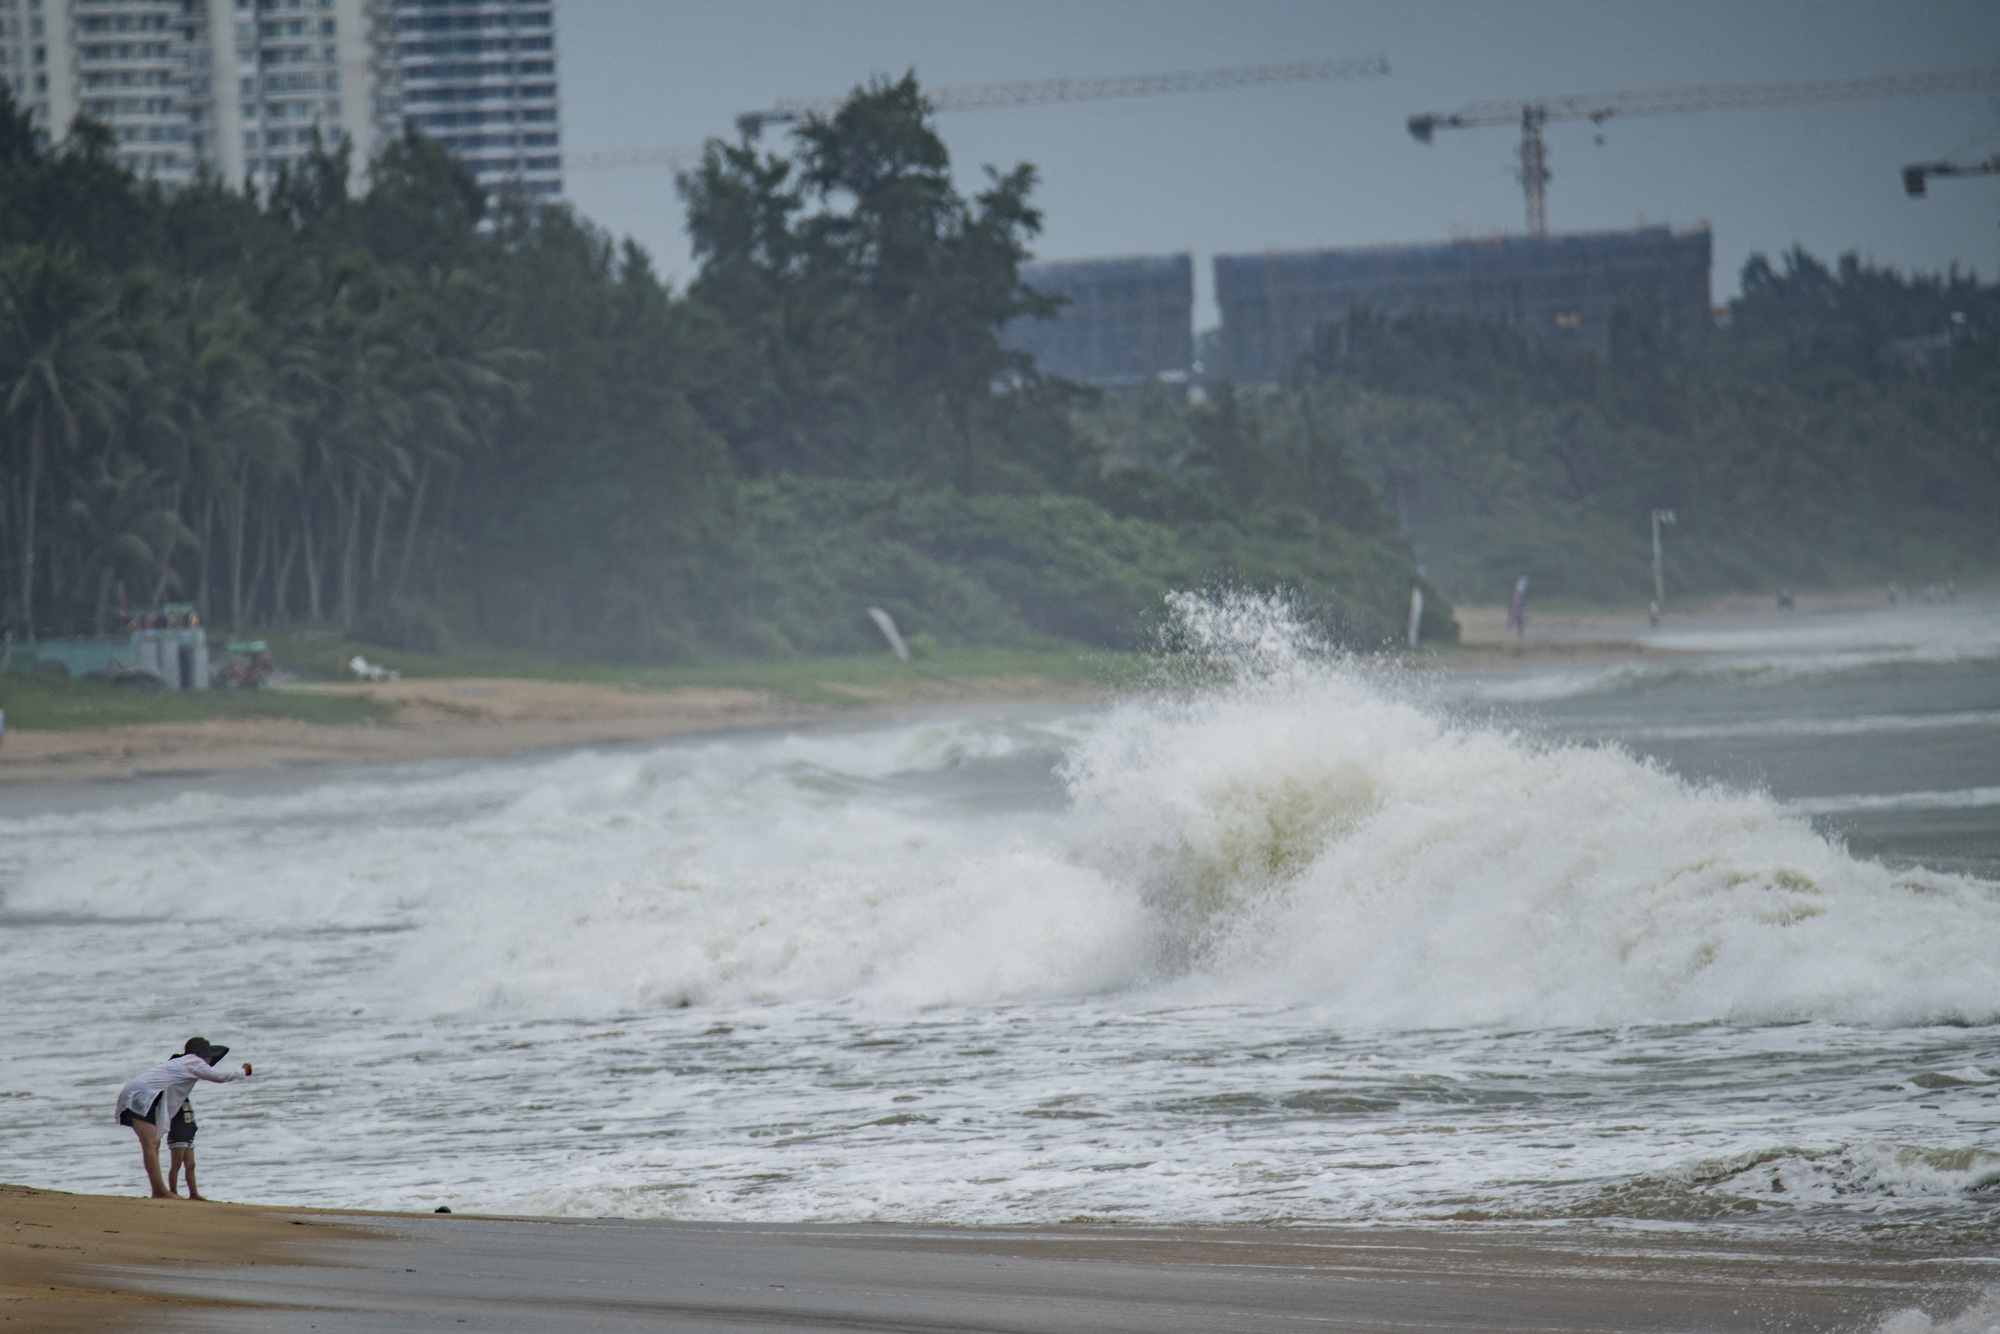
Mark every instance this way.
x=1283 y=825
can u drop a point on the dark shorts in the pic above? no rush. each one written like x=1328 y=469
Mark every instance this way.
x=181 y=1129
x=125 y=1118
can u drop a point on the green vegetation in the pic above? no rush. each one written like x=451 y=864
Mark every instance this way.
x=424 y=417
x=39 y=702
x=841 y=681
x=830 y=679
x=1843 y=427
x=482 y=437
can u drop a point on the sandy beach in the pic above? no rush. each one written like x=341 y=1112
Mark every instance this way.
x=458 y=718
x=73 y=1263
x=719 y=1017
x=462 y=717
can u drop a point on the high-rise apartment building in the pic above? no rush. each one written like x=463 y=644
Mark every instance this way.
x=479 y=76
x=265 y=76
x=241 y=87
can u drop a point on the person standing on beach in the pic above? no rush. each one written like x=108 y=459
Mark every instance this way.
x=180 y=1151
x=150 y=1101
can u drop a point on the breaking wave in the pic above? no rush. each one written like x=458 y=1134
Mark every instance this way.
x=1298 y=828
x=1309 y=833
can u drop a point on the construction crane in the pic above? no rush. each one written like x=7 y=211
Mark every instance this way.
x=1534 y=113
x=1917 y=174
x=1031 y=92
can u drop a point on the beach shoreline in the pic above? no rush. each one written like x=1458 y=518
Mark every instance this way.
x=450 y=718
x=464 y=718
x=75 y=1262
x=447 y=718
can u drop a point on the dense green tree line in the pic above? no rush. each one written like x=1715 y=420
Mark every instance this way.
x=1843 y=425
x=233 y=402
x=408 y=407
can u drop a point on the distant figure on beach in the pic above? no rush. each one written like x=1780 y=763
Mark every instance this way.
x=1784 y=599
x=1653 y=614
x=1517 y=609
x=150 y=1102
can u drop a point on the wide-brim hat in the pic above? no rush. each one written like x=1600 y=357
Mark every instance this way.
x=205 y=1049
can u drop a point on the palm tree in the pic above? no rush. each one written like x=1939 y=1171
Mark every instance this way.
x=65 y=372
x=124 y=519
x=334 y=377
x=460 y=378
x=214 y=426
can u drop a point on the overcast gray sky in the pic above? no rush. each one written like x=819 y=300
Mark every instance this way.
x=1298 y=166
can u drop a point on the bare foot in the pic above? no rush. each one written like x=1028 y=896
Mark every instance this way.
x=165 y=1195
x=202 y=1198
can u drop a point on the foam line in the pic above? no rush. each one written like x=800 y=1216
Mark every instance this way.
x=1963 y=799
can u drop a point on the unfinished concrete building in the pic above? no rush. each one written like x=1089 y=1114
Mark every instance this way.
x=1127 y=321
x=1563 y=286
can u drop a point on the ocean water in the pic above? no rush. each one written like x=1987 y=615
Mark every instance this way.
x=1290 y=938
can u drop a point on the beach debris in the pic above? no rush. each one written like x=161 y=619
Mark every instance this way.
x=887 y=625
x=371 y=671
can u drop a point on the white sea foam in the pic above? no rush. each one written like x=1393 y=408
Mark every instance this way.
x=1930 y=633
x=1981 y=1317
x=1959 y=799
x=1797 y=729
x=1773 y=650
x=1278 y=941
x=1310 y=836
x=1298 y=832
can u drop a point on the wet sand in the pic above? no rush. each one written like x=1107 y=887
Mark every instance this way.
x=91 y=1263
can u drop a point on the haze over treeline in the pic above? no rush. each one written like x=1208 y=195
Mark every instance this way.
x=419 y=410
x=1841 y=427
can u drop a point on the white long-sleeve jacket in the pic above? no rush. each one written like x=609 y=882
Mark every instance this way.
x=170 y=1082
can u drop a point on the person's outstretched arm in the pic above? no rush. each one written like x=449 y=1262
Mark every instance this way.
x=201 y=1069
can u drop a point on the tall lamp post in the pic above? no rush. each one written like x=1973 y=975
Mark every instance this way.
x=1659 y=579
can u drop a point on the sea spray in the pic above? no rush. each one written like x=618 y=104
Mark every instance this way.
x=1312 y=833
x=1279 y=823
x=1981 y=1317
x=1157 y=961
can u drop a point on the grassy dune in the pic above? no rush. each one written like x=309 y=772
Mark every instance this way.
x=40 y=703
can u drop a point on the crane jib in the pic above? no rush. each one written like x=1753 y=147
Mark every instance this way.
x=1028 y=92
x=1533 y=113
x=1709 y=97
x=1036 y=92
